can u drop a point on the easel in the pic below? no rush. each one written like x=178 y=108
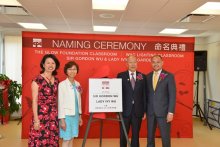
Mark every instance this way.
x=101 y=127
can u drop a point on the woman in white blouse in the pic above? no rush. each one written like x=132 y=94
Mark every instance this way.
x=69 y=105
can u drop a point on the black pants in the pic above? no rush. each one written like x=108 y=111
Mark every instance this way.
x=135 y=123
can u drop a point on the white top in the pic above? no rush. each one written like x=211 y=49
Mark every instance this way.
x=66 y=99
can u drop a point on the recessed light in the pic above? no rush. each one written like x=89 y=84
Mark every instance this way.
x=173 y=31
x=9 y=3
x=212 y=8
x=104 y=28
x=32 y=25
x=109 y=4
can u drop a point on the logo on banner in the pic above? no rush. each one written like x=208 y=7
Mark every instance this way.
x=105 y=85
x=37 y=42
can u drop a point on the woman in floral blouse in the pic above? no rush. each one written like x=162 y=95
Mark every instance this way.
x=69 y=105
x=44 y=127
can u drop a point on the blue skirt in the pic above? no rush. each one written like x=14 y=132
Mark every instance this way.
x=72 y=127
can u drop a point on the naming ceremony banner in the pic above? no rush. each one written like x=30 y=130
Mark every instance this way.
x=101 y=56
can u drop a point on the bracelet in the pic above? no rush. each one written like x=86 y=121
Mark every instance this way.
x=36 y=122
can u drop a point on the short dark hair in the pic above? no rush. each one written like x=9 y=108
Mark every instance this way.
x=69 y=65
x=157 y=56
x=45 y=57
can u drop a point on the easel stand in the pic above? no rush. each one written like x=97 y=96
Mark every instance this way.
x=101 y=127
x=199 y=112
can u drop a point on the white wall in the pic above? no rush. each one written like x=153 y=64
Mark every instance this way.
x=213 y=74
x=13 y=57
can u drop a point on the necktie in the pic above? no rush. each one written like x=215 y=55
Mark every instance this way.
x=132 y=80
x=155 y=79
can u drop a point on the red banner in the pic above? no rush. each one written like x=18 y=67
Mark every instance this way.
x=94 y=52
x=5 y=119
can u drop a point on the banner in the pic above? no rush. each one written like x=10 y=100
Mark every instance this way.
x=105 y=56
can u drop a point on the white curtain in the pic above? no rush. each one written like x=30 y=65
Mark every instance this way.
x=1 y=53
x=13 y=57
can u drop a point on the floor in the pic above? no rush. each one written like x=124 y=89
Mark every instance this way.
x=203 y=137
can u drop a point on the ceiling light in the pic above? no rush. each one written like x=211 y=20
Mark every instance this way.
x=109 y=4
x=104 y=28
x=212 y=8
x=9 y=3
x=32 y=25
x=172 y=31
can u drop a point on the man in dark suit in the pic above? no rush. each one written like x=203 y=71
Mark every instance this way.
x=161 y=100
x=133 y=99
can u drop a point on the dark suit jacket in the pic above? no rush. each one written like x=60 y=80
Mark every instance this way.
x=138 y=94
x=163 y=99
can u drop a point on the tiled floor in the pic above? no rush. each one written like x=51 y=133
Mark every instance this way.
x=203 y=137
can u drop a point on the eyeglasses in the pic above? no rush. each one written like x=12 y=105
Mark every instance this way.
x=71 y=69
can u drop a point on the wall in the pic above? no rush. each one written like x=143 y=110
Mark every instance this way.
x=212 y=45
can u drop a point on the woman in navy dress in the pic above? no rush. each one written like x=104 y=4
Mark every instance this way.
x=69 y=105
x=44 y=129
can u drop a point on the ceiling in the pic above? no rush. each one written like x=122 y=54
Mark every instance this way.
x=141 y=17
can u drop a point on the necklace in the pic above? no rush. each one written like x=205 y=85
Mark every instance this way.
x=49 y=79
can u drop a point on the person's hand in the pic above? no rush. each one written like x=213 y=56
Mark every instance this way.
x=144 y=117
x=80 y=121
x=63 y=124
x=37 y=125
x=169 y=117
x=117 y=116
